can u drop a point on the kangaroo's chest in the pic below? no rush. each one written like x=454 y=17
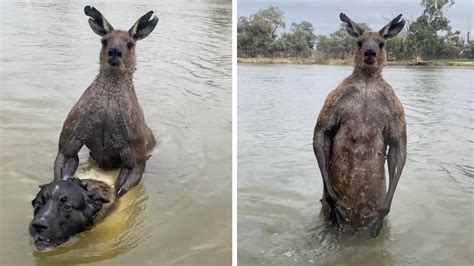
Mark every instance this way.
x=106 y=123
x=364 y=111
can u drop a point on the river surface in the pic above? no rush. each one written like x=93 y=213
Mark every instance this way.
x=181 y=212
x=279 y=183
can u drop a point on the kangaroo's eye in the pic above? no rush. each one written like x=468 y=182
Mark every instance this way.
x=130 y=45
x=104 y=42
x=381 y=45
x=359 y=43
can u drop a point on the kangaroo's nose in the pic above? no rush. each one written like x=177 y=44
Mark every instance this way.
x=115 y=52
x=39 y=225
x=370 y=53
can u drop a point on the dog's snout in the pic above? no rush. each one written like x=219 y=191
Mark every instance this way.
x=114 y=52
x=370 y=53
x=39 y=225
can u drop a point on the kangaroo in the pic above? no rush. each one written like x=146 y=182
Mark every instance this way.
x=108 y=119
x=360 y=120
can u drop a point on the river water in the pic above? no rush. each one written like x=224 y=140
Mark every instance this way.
x=279 y=183
x=181 y=213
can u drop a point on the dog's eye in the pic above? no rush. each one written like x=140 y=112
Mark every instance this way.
x=67 y=206
x=63 y=198
x=37 y=204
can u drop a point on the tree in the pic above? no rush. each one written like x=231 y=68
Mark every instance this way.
x=339 y=44
x=301 y=39
x=425 y=33
x=304 y=32
x=253 y=35
x=429 y=36
x=271 y=16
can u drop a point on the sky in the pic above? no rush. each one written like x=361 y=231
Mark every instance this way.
x=324 y=14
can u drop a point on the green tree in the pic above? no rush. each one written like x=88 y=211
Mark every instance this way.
x=271 y=16
x=301 y=39
x=425 y=33
x=429 y=36
x=339 y=44
x=304 y=32
x=253 y=35
x=257 y=34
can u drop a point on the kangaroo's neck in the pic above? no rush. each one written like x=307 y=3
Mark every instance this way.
x=113 y=81
x=367 y=73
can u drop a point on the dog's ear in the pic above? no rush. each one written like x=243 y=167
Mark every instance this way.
x=80 y=182
x=97 y=197
x=94 y=202
x=42 y=186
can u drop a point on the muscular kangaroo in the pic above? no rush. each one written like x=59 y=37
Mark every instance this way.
x=360 y=121
x=108 y=119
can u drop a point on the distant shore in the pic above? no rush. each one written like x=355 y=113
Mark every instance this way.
x=321 y=61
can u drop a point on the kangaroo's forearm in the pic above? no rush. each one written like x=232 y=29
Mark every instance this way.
x=322 y=149
x=65 y=166
x=129 y=178
x=396 y=161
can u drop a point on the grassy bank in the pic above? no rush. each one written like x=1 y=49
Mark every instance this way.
x=349 y=61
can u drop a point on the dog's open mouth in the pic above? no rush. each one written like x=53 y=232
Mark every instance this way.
x=46 y=244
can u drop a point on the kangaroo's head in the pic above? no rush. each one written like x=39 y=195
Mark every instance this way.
x=118 y=47
x=370 y=55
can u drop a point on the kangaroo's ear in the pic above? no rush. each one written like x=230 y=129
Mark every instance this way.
x=351 y=27
x=97 y=21
x=392 y=28
x=143 y=26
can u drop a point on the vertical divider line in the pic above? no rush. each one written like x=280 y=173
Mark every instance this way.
x=234 y=132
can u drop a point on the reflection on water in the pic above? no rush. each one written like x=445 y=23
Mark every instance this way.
x=279 y=184
x=182 y=211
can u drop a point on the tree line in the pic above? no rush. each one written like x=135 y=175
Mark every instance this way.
x=429 y=36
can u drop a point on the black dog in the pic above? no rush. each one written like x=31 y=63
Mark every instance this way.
x=67 y=207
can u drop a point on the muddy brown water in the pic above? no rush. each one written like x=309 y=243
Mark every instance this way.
x=279 y=184
x=181 y=213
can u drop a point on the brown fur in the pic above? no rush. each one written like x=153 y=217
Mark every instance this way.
x=108 y=118
x=360 y=119
x=104 y=190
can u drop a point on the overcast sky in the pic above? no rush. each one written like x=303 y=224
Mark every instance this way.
x=324 y=14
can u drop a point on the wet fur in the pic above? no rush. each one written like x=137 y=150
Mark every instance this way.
x=108 y=118
x=106 y=191
x=361 y=120
x=89 y=200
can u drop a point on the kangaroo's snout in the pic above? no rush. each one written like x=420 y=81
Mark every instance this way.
x=114 y=56
x=370 y=56
x=114 y=52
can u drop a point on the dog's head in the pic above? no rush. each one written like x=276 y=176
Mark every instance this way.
x=61 y=210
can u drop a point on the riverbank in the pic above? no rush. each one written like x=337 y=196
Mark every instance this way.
x=349 y=61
